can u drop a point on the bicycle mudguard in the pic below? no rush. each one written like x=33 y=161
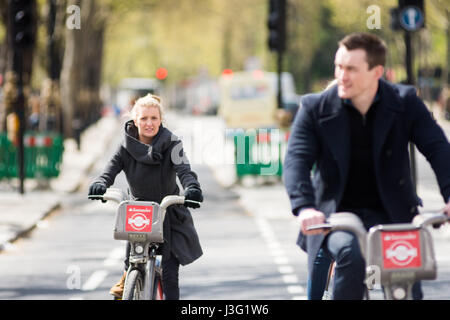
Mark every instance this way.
x=139 y=221
x=401 y=253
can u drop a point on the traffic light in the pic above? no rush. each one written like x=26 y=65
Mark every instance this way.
x=161 y=73
x=410 y=15
x=410 y=3
x=277 y=25
x=22 y=22
x=395 y=22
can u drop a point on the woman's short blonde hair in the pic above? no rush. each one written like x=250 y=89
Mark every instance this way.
x=150 y=100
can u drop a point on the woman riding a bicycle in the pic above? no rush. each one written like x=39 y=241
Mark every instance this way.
x=151 y=158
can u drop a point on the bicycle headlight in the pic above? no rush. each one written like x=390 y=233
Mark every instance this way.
x=138 y=249
x=399 y=293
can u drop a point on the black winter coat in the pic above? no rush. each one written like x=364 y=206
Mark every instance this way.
x=151 y=172
x=320 y=135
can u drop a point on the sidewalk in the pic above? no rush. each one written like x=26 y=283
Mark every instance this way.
x=21 y=213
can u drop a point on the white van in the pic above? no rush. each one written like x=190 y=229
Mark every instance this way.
x=132 y=88
x=248 y=99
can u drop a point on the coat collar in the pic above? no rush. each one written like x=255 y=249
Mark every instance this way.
x=148 y=154
x=333 y=118
x=332 y=105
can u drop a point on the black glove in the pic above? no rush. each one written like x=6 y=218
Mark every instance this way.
x=97 y=189
x=193 y=193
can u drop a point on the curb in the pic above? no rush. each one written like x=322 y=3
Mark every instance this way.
x=23 y=213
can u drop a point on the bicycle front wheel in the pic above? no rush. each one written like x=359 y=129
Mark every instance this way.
x=134 y=285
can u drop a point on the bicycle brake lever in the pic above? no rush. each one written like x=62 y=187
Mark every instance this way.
x=96 y=197
x=192 y=201
x=324 y=226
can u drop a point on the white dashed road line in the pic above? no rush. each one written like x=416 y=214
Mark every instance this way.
x=115 y=258
x=284 y=268
x=94 y=280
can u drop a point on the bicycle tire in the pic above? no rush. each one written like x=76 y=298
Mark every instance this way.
x=133 y=285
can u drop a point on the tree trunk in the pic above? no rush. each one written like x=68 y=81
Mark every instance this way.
x=81 y=72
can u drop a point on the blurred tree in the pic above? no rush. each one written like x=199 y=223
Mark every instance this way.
x=120 y=39
x=82 y=66
x=311 y=42
x=184 y=36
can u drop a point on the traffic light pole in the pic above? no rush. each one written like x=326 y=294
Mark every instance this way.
x=21 y=37
x=409 y=16
x=277 y=39
x=20 y=111
x=18 y=104
x=280 y=70
x=410 y=80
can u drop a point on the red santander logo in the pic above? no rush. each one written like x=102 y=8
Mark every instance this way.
x=139 y=218
x=401 y=249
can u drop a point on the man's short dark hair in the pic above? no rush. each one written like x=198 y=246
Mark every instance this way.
x=373 y=45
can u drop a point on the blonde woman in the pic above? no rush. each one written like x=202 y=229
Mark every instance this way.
x=152 y=157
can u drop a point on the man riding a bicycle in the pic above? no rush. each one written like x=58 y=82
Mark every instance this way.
x=152 y=158
x=356 y=133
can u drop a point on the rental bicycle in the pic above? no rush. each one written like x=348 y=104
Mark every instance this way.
x=396 y=255
x=141 y=223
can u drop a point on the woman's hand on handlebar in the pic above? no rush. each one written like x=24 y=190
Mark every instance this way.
x=310 y=217
x=193 y=196
x=96 y=189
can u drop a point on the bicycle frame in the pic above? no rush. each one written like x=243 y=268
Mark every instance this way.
x=397 y=255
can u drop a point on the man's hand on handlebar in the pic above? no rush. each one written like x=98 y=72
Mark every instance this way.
x=447 y=208
x=310 y=217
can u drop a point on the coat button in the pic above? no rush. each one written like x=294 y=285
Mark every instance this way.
x=401 y=182
x=388 y=152
x=413 y=209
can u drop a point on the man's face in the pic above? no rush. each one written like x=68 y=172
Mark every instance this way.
x=351 y=70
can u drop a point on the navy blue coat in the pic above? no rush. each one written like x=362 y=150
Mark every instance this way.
x=320 y=135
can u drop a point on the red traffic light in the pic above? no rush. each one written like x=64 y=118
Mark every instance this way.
x=227 y=72
x=161 y=73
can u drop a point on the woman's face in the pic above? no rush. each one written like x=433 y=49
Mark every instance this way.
x=148 y=120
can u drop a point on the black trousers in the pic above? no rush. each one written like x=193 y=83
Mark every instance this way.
x=170 y=273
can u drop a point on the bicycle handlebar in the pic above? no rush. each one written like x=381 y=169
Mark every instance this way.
x=430 y=218
x=347 y=221
x=118 y=195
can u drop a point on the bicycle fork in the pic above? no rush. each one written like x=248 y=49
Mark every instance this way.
x=144 y=261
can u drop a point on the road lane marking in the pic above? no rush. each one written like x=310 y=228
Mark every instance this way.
x=94 y=280
x=284 y=268
x=116 y=256
x=295 y=289
x=290 y=278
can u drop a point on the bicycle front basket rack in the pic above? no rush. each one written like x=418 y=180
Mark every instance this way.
x=139 y=220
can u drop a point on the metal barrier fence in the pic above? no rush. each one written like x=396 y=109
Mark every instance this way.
x=42 y=155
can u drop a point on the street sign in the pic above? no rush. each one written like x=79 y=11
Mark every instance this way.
x=411 y=18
